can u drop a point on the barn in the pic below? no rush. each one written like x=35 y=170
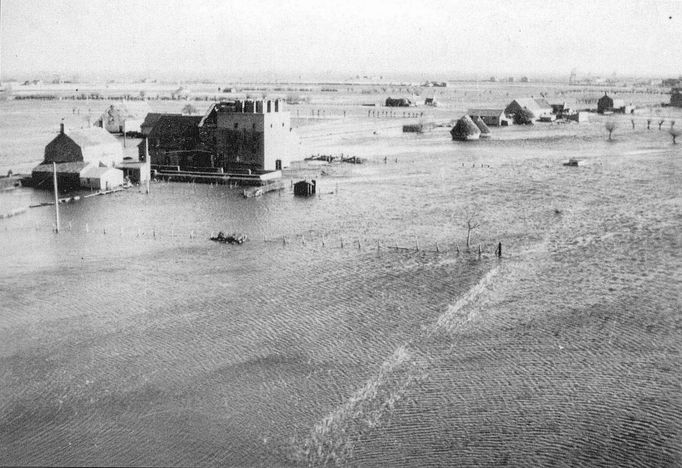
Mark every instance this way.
x=538 y=107
x=91 y=145
x=491 y=117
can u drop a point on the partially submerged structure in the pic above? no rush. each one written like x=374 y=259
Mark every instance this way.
x=539 y=108
x=491 y=117
x=250 y=137
x=485 y=131
x=397 y=102
x=305 y=188
x=676 y=97
x=123 y=117
x=465 y=129
x=74 y=152
x=606 y=105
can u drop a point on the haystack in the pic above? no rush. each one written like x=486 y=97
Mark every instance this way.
x=485 y=130
x=465 y=129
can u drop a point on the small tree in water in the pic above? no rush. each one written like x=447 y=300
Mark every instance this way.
x=610 y=126
x=675 y=132
x=472 y=224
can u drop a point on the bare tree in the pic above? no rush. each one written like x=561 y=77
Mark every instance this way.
x=472 y=224
x=610 y=126
x=675 y=132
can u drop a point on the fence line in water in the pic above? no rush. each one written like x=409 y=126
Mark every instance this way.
x=311 y=241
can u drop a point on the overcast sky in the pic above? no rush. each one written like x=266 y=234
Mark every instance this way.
x=232 y=37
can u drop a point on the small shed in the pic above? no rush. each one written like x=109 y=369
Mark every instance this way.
x=101 y=178
x=68 y=175
x=465 y=129
x=305 y=188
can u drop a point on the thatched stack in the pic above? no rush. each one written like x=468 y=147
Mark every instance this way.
x=485 y=130
x=465 y=129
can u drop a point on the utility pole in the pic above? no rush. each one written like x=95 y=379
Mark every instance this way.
x=56 y=196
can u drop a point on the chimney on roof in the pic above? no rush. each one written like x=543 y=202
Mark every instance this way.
x=61 y=128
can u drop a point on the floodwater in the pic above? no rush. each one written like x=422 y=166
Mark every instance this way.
x=131 y=339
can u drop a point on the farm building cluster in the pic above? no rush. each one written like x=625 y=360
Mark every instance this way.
x=86 y=158
x=520 y=111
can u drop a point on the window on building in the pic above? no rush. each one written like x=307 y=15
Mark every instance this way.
x=253 y=126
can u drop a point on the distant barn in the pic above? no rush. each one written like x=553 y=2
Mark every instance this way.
x=120 y=117
x=491 y=117
x=607 y=104
x=539 y=108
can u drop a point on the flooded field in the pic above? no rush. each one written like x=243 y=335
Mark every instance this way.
x=131 y=339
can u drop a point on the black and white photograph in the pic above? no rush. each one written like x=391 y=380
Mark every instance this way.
x=363 y=233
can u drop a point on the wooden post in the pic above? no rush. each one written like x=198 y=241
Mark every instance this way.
x=124 y=133
x=499 y=249
x=56 y=197
x=437 y=249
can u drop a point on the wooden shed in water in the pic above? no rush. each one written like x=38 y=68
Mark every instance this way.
x=305 y=188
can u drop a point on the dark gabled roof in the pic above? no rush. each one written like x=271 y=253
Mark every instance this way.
x=151 y=118
x=176 y=131
x=486 y=112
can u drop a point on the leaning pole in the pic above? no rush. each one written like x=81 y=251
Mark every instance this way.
x=56 y=196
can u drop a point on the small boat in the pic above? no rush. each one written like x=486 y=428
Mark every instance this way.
x=229 y=239
x=574 y=162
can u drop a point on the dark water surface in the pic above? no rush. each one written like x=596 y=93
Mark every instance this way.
x=130 y=339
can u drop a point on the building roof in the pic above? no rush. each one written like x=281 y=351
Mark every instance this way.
x=94 y=172
x=62 y=168
x=92 y=136
x=175 y=131
x=481 y=125
x=213 y=109
x=151 y=118
x=486 y=112
x=533 y=104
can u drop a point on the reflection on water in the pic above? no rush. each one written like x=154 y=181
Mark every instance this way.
x=131 y=339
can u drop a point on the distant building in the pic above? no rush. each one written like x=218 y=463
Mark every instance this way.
x=431 y=101
x=181 y=93
x=397 y=102
x=122 y=117
x=538 y=107
x=676 y=97
x=606 y=104
x=491 y=117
